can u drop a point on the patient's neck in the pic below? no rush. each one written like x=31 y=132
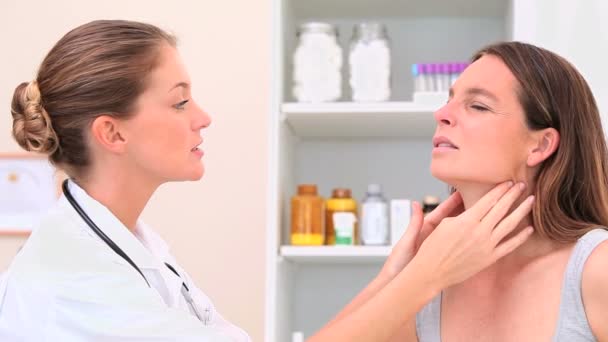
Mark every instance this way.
x=472 y=193
x=533 y=247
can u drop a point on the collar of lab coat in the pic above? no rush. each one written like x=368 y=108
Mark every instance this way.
x=113 y=228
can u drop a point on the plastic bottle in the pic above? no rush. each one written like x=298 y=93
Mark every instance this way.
x=417 y=79
x=374 y=217
x=297 y=336
x=431 y=76
x=454 y=73
x=341 y=202
x=307 y=227
x=444 y=74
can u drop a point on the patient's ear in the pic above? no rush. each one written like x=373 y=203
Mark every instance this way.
x=545 y=143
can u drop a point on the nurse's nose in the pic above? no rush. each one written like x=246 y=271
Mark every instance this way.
x=201 y=119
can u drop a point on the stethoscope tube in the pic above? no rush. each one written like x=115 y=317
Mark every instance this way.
x=98 y=231
x=185 y=290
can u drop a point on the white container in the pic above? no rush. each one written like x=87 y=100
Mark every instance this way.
x=401 y=211
x=317 y=64
x=374 y=217
x=370 y=63
x=297 y=336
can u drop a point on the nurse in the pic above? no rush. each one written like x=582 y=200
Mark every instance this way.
x=111 y=105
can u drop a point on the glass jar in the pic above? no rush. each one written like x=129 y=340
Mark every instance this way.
x=317 y=64
x=370 y=63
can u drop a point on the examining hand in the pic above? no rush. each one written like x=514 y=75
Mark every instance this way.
x=463 y=245
x=417 y=231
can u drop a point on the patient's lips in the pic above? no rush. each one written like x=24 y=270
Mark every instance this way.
x=443 y=144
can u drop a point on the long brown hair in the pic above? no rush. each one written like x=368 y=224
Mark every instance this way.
x=99 y=68
x=571 y=185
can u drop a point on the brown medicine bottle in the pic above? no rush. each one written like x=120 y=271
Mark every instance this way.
x=340 y=201
x=429 y=203
x=307 y=227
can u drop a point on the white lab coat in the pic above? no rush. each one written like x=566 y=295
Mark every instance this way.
x=66 y=284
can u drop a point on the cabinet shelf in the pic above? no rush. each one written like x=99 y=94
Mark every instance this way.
x=350 y=119
x=336 y=254
x=391 y=9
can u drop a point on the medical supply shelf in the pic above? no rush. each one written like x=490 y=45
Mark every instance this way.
x=347 y=144
x=335 y=254
x=350 y=119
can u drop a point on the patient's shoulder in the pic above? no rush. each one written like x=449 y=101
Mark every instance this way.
x=594 y=285
x=596 y=267
x=595 y=271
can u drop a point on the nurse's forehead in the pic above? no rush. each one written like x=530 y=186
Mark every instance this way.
x=180 y=85
x=170 y=73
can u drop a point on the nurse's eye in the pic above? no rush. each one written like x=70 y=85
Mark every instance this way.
x=181 y=104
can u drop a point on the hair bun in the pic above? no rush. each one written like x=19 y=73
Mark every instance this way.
x=32 y=127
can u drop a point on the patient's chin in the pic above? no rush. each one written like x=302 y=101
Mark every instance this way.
x=443 y=175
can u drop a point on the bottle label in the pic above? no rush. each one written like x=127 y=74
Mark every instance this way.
x=344 y=225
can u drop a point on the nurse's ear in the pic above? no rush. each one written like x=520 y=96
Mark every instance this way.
x=544 y=144
x=105 y=131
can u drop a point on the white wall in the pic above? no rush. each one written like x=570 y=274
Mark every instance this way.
x=216 y=226
x=577 y=30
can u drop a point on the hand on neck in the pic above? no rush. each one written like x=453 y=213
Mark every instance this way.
x=472 y=192
x=532 y=248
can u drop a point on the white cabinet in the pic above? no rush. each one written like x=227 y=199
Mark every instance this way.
x=345 y=144
x=577 y=30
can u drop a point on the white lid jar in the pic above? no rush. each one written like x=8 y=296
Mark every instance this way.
x=370 y=63
x=317 y=64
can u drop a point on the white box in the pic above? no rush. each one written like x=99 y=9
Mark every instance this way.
x=401 y=211
x=432 y=98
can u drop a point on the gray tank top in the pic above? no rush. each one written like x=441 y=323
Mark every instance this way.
x=572 y=324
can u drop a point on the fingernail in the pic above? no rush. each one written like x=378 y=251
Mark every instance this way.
x=522 y=185
x=530 y=230
x=509 y=184
x=531 y=199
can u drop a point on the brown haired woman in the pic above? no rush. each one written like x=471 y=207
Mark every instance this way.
x=111 y=105
x=523 y=113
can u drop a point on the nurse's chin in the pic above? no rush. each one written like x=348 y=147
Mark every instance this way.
x=194 y=174
x=197 y=175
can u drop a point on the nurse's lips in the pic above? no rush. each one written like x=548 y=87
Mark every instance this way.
x=196 y=149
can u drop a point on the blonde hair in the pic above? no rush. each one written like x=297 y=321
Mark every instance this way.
x=99 y=68
x=32 y=127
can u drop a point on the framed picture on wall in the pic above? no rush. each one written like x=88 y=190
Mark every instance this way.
x=29 y=186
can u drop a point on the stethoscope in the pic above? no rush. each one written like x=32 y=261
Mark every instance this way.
x=185 y=290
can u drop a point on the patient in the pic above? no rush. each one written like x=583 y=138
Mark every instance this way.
x=523 y=113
